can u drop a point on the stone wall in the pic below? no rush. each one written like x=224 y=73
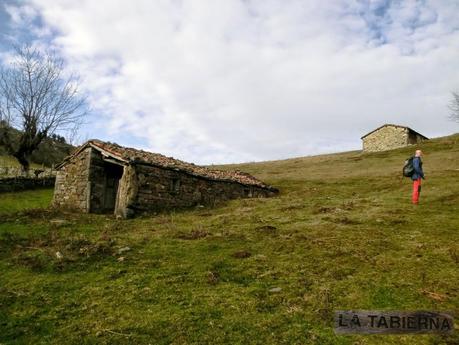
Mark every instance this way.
x=72 y=187
x=6 y=171
x=14 y=184
x=386 y=138
x=159 y=189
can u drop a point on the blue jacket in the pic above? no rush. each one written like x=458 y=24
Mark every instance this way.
x=417 y=165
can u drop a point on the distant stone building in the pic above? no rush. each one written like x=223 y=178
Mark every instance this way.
x=388 y=137
x=101 y=177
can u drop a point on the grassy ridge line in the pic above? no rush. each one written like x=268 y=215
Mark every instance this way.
x=341 y=235
x=439 y=153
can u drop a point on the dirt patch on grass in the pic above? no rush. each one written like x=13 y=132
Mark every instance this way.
x=268 y=229
x=347 y=221
x=454 y=254
x=242 y=254
x=345 y=206
x=323 y=209
x=205 y=214
x=450 y=199
x=292 y=207
x=213 y=277
x=342 y=220
x=37 y=260
x=193 y=235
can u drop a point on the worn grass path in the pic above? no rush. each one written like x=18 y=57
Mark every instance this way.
x=341 y=235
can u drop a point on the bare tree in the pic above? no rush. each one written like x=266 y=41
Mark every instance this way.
x=36 y=99
x=454 y=107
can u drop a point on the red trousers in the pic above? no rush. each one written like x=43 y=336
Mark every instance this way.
x=416 y=191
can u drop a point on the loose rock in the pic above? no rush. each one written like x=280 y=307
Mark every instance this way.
x=275 y=289
x=124 y=249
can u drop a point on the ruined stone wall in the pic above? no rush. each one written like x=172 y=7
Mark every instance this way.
x=159 y=189
x=14 y=184
x=386 y=138
x=72 y=189
x=6 y=172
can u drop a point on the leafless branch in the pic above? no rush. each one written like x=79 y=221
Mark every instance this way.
x=37 y=99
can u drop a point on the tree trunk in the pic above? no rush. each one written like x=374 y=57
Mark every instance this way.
x=22 y=159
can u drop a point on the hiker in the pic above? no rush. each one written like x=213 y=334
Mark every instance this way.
x=418 y=174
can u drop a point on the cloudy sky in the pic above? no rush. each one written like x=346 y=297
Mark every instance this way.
x=242 y=80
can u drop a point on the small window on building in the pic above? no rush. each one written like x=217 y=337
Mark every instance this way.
x=247 y=193
x=175 y=185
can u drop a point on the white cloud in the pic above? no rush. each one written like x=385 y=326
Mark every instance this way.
x=20 y=15
x=226 y=81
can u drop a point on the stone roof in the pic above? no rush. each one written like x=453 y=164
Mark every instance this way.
x=128 y=155
x=390 y=124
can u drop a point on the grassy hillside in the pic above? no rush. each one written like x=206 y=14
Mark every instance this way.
x=49 y=152
x=9 y=161
x=341 y=235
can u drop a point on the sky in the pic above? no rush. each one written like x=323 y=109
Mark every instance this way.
x=239 y=80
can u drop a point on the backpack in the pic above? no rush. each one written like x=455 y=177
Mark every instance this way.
x=408 y=168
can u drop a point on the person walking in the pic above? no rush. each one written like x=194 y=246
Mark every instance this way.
x=417 y=176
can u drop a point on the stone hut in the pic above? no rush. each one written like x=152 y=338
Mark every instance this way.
x=101 y=177
x=388 y=137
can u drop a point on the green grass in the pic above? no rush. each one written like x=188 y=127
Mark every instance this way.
x=341 y=235
x=15 y=202
x=8 y=161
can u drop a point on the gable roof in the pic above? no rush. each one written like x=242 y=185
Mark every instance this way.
x=128 y=155
x=390 y=124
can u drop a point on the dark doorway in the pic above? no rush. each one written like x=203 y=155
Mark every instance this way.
x=113 y=173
